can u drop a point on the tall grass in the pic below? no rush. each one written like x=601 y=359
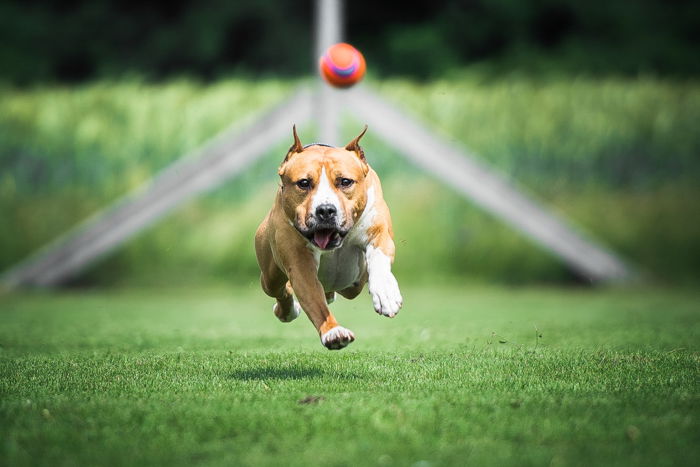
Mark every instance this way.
x=623 y=133
x=109 y=137
x=621 y=157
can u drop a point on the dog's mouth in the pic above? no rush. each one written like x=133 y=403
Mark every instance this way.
x=326 y=238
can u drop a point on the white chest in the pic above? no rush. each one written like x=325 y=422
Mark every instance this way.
x=341 y=268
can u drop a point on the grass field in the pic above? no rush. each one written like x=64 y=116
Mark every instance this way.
x=463 y=376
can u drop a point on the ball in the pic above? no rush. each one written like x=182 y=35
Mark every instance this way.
x=342 y=65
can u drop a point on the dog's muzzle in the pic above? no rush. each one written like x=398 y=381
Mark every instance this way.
x=323 y=230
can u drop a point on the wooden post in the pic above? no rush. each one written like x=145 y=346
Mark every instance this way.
x=328 y=32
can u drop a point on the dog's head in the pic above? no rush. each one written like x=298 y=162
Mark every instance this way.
x=324 y=190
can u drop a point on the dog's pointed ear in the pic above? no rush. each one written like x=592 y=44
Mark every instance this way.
x=296 y=147
x=354 y=145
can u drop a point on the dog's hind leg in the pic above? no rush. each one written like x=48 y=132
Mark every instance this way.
x=355 y=289
x=286 y=308
x=274 y=282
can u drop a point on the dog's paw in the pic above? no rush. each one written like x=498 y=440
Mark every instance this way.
x=337 y=338
x=287 y=315
x=386 y=296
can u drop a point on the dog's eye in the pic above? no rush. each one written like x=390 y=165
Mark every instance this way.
x=346 y=182
x=304 y=183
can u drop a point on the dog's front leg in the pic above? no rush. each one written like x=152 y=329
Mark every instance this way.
x=382 y=285
x=312 y=299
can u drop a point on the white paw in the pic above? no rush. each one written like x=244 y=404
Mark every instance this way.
x=382 y=285
x=289 y=315
x=386 y=296
x=337 y=338
x=331 y=299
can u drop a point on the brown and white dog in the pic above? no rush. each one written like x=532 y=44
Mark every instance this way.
x=329 y=230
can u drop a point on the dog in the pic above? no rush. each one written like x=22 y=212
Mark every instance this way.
x=329 y=230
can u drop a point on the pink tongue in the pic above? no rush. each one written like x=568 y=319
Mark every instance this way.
x=322 y=238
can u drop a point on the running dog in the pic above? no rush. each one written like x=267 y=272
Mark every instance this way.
x=329 y=230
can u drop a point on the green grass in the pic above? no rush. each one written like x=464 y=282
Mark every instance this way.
x=463 y=376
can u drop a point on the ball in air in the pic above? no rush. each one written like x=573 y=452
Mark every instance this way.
x=342 y=65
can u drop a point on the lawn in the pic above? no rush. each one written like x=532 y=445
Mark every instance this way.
x=464 y=375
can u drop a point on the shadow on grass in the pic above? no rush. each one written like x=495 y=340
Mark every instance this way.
x=276 y=373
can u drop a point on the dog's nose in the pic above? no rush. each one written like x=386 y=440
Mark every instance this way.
x=326 y=212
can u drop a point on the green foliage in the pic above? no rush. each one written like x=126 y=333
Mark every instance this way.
x=111 y=136
x=618 y=156
x=47 y=41
x=622 y=133
x=462 y=376
x=66 y=152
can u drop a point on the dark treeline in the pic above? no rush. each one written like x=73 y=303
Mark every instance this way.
x=77 y=40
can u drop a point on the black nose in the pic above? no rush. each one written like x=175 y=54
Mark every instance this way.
x=326 y=212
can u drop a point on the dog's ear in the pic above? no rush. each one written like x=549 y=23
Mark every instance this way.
x=296 y=147
x=354 y=145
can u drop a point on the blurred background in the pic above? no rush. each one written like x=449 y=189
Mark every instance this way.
x=592 y=107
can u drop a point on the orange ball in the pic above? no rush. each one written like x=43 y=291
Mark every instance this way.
x=342 y=65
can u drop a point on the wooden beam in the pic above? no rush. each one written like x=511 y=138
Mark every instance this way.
x=218 y=161
x=234 y=150
x=465 y=173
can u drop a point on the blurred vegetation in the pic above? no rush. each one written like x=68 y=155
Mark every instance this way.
x=78 y=40
x=619 y=156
